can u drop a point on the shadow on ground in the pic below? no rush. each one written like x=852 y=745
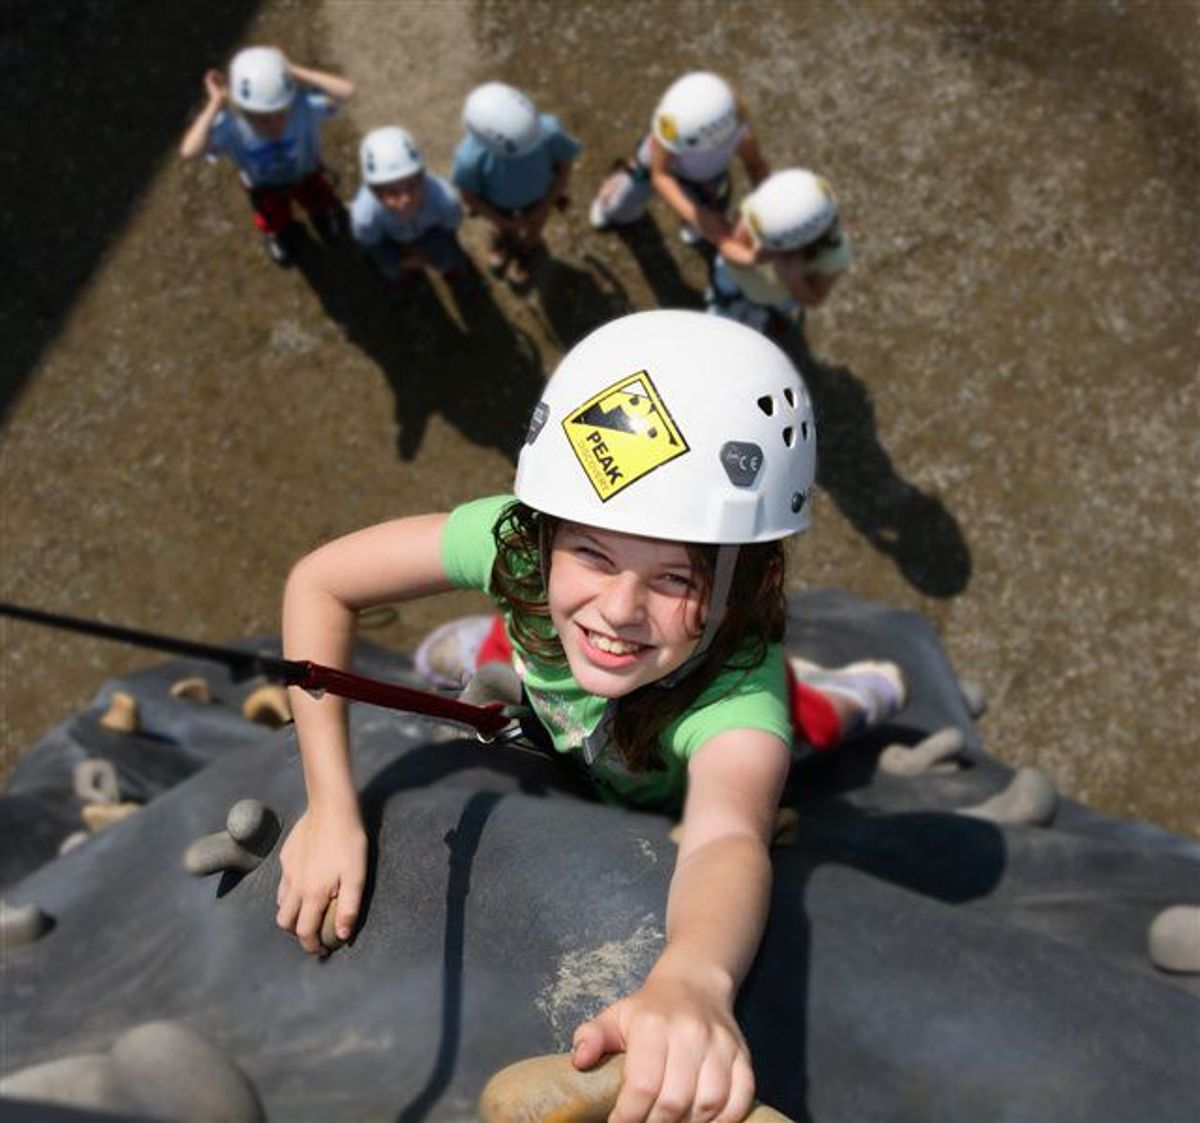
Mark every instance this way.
x=102 y=82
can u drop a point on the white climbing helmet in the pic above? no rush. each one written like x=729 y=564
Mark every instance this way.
x=502 y=119
x=698 y=112
x=259 y=80
x=389 y=154
x=674 y=425
x=790 y=209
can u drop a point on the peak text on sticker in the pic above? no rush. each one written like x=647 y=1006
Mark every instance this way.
x=623 y=434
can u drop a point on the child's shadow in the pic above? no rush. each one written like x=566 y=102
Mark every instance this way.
x=574 y=301
x=916 y=530
x=483 y=376
x=645 y=242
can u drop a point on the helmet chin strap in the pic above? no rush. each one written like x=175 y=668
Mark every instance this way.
x=718 y=599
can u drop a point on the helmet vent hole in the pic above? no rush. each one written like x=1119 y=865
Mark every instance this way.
x=789 y=436
x=767 y=404
x=789 y=396
x=804 y=430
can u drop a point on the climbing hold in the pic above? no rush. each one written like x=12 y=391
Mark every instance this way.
x=253 y=824
x=21 y=925
x=193 y=688
x=217 y=852
x=73 y=840
x=161 y=1070
x=552 y=1088
x=96 y=781
x=975 y=696
x=787 y=827
x=100 y=816
x=1029 y=800
x=268 y=705
x=935 y=753
x=493 y=682
x=122 y=713
x=330 y=940
x=1174 y=939
x=175 y=1073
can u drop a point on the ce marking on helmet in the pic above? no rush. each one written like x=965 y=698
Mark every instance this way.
x=742 y=461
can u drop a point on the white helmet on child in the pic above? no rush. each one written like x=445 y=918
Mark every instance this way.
x=698 y=112
x=259 y=80
x=502 y=119
x=790 y=209
x=674 y=425
x=389 y=154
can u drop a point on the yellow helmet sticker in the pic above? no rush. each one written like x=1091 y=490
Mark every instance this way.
x=623 y=434
x=667 y=129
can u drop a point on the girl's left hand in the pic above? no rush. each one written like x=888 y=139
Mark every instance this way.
x=686 y=1058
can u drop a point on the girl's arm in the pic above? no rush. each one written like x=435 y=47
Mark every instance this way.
x=739 y=247
x=325 y=853
x=752 y=158
x=337 y=87
x=811 y=289
x=711 y=225
x=685 y=1053
x=196 y=138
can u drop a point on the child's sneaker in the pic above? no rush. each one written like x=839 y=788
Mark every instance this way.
x=689 y=235
x=875 y=690
x=277 y=250
x=449 y=654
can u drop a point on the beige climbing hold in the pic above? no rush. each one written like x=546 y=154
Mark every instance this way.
x=122 y=713
x=194 y=688
x=675 y=833
x=330 y=940
x=100 y=816
x=787 y=827
x=21 y=925
x=937 y=752
x=95 y=781
x=268 y=705
x=550 y=1089
x=975 y=697
x=1174 y=939
x=1029 y=800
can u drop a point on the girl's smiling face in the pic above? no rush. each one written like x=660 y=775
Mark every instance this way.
x=627 y=609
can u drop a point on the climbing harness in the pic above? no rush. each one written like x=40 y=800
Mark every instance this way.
x=492 y=721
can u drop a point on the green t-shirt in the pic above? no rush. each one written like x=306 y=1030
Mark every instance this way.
x=735 y=699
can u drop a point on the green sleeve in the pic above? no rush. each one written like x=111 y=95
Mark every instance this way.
x=753 y=699
x=468 y=548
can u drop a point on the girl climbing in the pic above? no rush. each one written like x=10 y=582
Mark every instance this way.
x=639 y=569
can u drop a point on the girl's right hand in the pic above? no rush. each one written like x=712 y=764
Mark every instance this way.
x=324 y=857
x=215 y=84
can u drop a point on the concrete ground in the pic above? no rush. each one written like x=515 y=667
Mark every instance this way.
x=1006 y=382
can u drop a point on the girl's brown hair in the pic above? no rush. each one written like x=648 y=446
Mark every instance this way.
x=754 y=617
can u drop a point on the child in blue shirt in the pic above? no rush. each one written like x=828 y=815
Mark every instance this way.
x=267 y=118
x=512 y=167
x=404 y=217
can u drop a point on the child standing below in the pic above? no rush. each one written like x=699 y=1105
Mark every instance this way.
x=267 y=120
x=785 y=254
x=404 y=217
x=512 y=167
x=698 y=128
x=640 y=571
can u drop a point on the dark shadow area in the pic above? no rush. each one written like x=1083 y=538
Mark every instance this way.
x=484 y=380
x=94 y=96
x=645 y=242
x=574 y=302
x=916 y=530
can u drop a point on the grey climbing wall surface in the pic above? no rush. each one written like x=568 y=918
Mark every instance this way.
x=920 y=964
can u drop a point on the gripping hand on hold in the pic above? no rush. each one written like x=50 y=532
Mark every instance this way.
x=323 y=859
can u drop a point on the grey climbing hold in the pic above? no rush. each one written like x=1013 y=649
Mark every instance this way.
x=936 y=753
x=95 y=781
x=251 y=830
x=1029 y=800
x=1174 y=939
x=493 y=682
x=975 y=696
x=253 y=824
x=122 y=713
x=329 y=938
x=161 y=1070
x=21 y=925
x=72 y=841
x=194 y=688
x=174 y=1073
